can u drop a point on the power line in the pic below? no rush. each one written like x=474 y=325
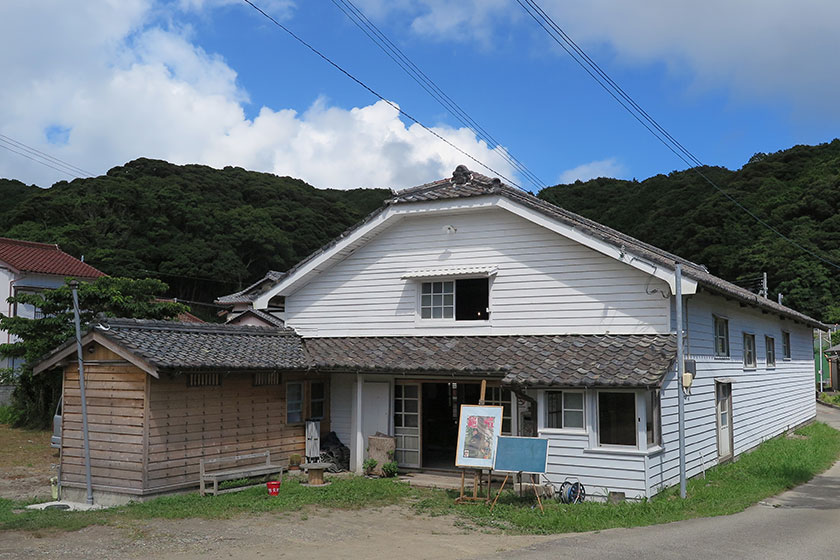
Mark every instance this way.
x=387 y=46
x=635 y=110
x=43 y=158
x=372 y=91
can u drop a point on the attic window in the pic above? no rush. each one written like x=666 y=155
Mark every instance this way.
x=204 y=379
x=266 y=378
x=466 y=299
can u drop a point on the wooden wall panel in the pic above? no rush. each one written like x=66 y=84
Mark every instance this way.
x=188 y=423
x=115 y=397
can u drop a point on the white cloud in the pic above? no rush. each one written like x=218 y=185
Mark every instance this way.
x=127 y=88
x=602 y=168
x=767 y=50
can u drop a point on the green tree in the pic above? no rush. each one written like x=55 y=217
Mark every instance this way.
x=35 y=397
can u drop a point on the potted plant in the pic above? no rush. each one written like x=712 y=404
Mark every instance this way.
x=294 y=462
x=369 y=464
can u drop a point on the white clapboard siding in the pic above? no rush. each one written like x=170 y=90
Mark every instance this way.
x=765 y=401
x=545 y=284
x=600 y=473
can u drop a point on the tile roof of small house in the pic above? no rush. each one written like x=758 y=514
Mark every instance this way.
x=183 y=347
x=171 y=345
x=268 y=318
x=253 y=291
x=532 y=361
x=43 y=258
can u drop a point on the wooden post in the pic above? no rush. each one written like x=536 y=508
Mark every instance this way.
x=500 y=491
x=483 y=392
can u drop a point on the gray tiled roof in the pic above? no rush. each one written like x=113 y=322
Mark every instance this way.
x=534 y=361
x=170 y=345
x=253 y=291
x=466 y=183
x=270 y=319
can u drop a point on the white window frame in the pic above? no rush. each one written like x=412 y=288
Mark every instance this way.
x=563 y=410
x=786 y=351
x=725 y=337
x=299 y=408
x=769 y=351
x=442 y=294
x=749 y=364
x=617 y=446
x=421 y=306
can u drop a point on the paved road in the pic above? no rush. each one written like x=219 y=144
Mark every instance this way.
x=802 y=523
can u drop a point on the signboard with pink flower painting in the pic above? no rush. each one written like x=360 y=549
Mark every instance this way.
x=478 y=430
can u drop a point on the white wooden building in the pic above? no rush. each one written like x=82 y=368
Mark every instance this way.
x=572 y=322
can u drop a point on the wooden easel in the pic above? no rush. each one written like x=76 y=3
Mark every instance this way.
x=478 y=474
x=533 y=482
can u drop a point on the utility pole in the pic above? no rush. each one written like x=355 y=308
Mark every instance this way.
x=74 y=286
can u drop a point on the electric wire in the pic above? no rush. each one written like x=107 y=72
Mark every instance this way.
x=68 y=168
x=38 y=161
x=376 y=94
x=634 y=109
x=357 y=16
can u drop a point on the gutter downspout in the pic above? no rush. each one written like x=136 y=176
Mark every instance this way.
x=680 y=372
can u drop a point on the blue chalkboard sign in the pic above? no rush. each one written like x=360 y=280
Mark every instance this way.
x=521 y=454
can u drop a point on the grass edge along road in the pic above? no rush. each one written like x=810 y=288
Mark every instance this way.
x=774 y=466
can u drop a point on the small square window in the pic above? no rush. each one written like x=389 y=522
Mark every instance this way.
x=749 y=350
x=564 y=409
x=770 y=351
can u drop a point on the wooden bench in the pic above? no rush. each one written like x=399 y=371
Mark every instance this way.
x=250 y=471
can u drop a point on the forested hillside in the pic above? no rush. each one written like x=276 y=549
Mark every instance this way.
x=208 y=232
x=796 y=191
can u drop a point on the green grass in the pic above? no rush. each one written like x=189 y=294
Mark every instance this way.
x=830 y=398
x=342 y=493
x=776 y=465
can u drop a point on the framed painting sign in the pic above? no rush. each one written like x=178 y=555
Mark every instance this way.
x=478 y=430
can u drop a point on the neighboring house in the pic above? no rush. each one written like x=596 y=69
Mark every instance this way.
x=831 y=371
x=241 y=304
x=29 y=267
x=393 y=326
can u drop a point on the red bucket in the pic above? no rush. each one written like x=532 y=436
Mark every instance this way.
x=273 y=487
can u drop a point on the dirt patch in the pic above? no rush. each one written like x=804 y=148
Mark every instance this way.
x=384 y=533
x=26 y=463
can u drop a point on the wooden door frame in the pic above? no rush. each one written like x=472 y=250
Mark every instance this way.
x=724 y=459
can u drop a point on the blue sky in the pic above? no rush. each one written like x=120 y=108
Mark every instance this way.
x=214 y=82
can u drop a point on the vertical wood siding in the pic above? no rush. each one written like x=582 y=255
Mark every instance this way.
x=115 y=393
x=765 y=401
x=541 y=276
x=186 y=424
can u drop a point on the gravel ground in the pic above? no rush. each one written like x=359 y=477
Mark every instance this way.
x=390 y=533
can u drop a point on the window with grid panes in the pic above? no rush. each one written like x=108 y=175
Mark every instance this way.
x=721 y=337
x=500 y=396
x=564 y=409
x=770 y=351
x=749 y=350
